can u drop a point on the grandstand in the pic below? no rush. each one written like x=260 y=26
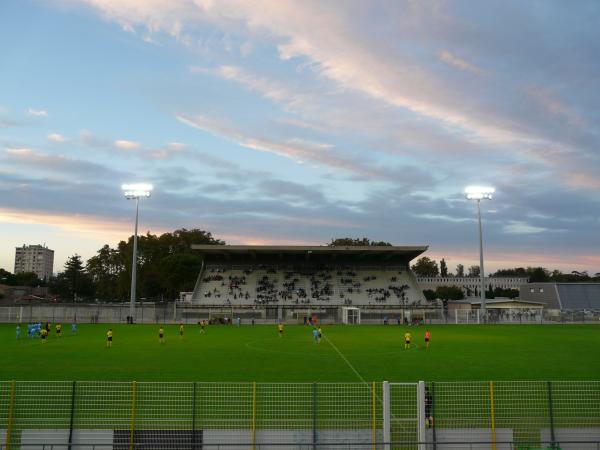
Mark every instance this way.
x=571 y=302
x=291 y=282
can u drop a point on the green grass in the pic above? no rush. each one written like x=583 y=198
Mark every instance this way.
x=229 y=353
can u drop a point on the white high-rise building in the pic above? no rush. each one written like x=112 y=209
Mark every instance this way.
x=38 y=259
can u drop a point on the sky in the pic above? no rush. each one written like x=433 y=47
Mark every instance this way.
x=294 y=122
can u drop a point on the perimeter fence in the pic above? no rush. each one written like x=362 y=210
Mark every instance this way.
x=154 y=313
x=496 y=415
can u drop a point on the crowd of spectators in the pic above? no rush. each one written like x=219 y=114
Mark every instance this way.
x=303 y=285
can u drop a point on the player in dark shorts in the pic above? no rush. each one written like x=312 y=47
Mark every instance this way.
x=109 y=335
x=161 y=335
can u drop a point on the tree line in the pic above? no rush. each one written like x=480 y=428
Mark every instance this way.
x=167 y=265
x=427 y=267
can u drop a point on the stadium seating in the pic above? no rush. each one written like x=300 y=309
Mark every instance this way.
x=269 y=285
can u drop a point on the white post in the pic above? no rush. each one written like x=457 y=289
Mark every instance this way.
x=478 y=317
x=387 y=425
x=421 y=415
x=481 y=271
x=134 y=264
x=456 y=316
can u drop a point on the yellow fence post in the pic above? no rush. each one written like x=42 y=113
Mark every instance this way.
x=492 y=415
x=132 y=429
x=11 y=403
x=254 y=416
x=374 y=416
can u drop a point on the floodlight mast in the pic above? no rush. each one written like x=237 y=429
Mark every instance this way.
x=480 y=193
x=135 y=192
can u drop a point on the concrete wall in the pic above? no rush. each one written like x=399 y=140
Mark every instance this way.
x=92 y=313
x=544 y=293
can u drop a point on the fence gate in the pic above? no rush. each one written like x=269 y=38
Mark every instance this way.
x=406 y=416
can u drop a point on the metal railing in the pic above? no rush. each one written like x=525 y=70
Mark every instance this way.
x=588 y=445
x=409 y=416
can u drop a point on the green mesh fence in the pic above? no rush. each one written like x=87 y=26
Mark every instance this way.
x=126 y=415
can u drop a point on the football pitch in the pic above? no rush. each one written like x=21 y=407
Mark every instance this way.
x=345 y=354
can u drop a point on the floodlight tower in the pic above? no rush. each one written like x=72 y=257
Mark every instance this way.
x=135 y=192
x=480 y=193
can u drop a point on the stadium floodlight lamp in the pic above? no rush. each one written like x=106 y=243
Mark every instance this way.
x=479 y=193
x=135 y=192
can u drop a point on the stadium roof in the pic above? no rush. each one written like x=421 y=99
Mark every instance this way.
x=385 y=252
x=579 y=295
x=500 y=301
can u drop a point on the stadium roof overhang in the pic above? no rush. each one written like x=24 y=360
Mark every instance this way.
x=322 y=253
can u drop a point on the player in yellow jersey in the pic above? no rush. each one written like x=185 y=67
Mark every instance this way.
x=161 y=335
x=109 y=335
x=181 y=330
x=58 y=329
x=320 y=335
x=202 y=326
x=43 y=335
x=280 y=328
x=407 y=339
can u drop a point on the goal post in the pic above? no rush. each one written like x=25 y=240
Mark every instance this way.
x=350 y=315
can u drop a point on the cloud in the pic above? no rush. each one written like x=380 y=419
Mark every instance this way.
x=37 y=113
x=127 y=145
x=62 y=166
x=459 y=63
x=300 y=151
x=96 y=226
x=55 y=137
x=413 y=99
x=166 y=152
x=292 y=99
x=176 y=146
x=516 y=227
x=554 y=106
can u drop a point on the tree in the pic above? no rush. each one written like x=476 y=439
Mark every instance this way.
x=449 y=293
x=355 y=242
x=429 y=294
x=167 y=265
x=518 y=272
x=20 y=279
x=104 y=269
x=425 y=267
x=474 y=271
x=538 y=275
x=73 y=282
x=510 y=293
x=443 y=268
x=460 y=270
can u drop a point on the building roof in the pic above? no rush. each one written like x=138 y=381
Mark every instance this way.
x=494 y=301
x=405 y=252
x=579 y=295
